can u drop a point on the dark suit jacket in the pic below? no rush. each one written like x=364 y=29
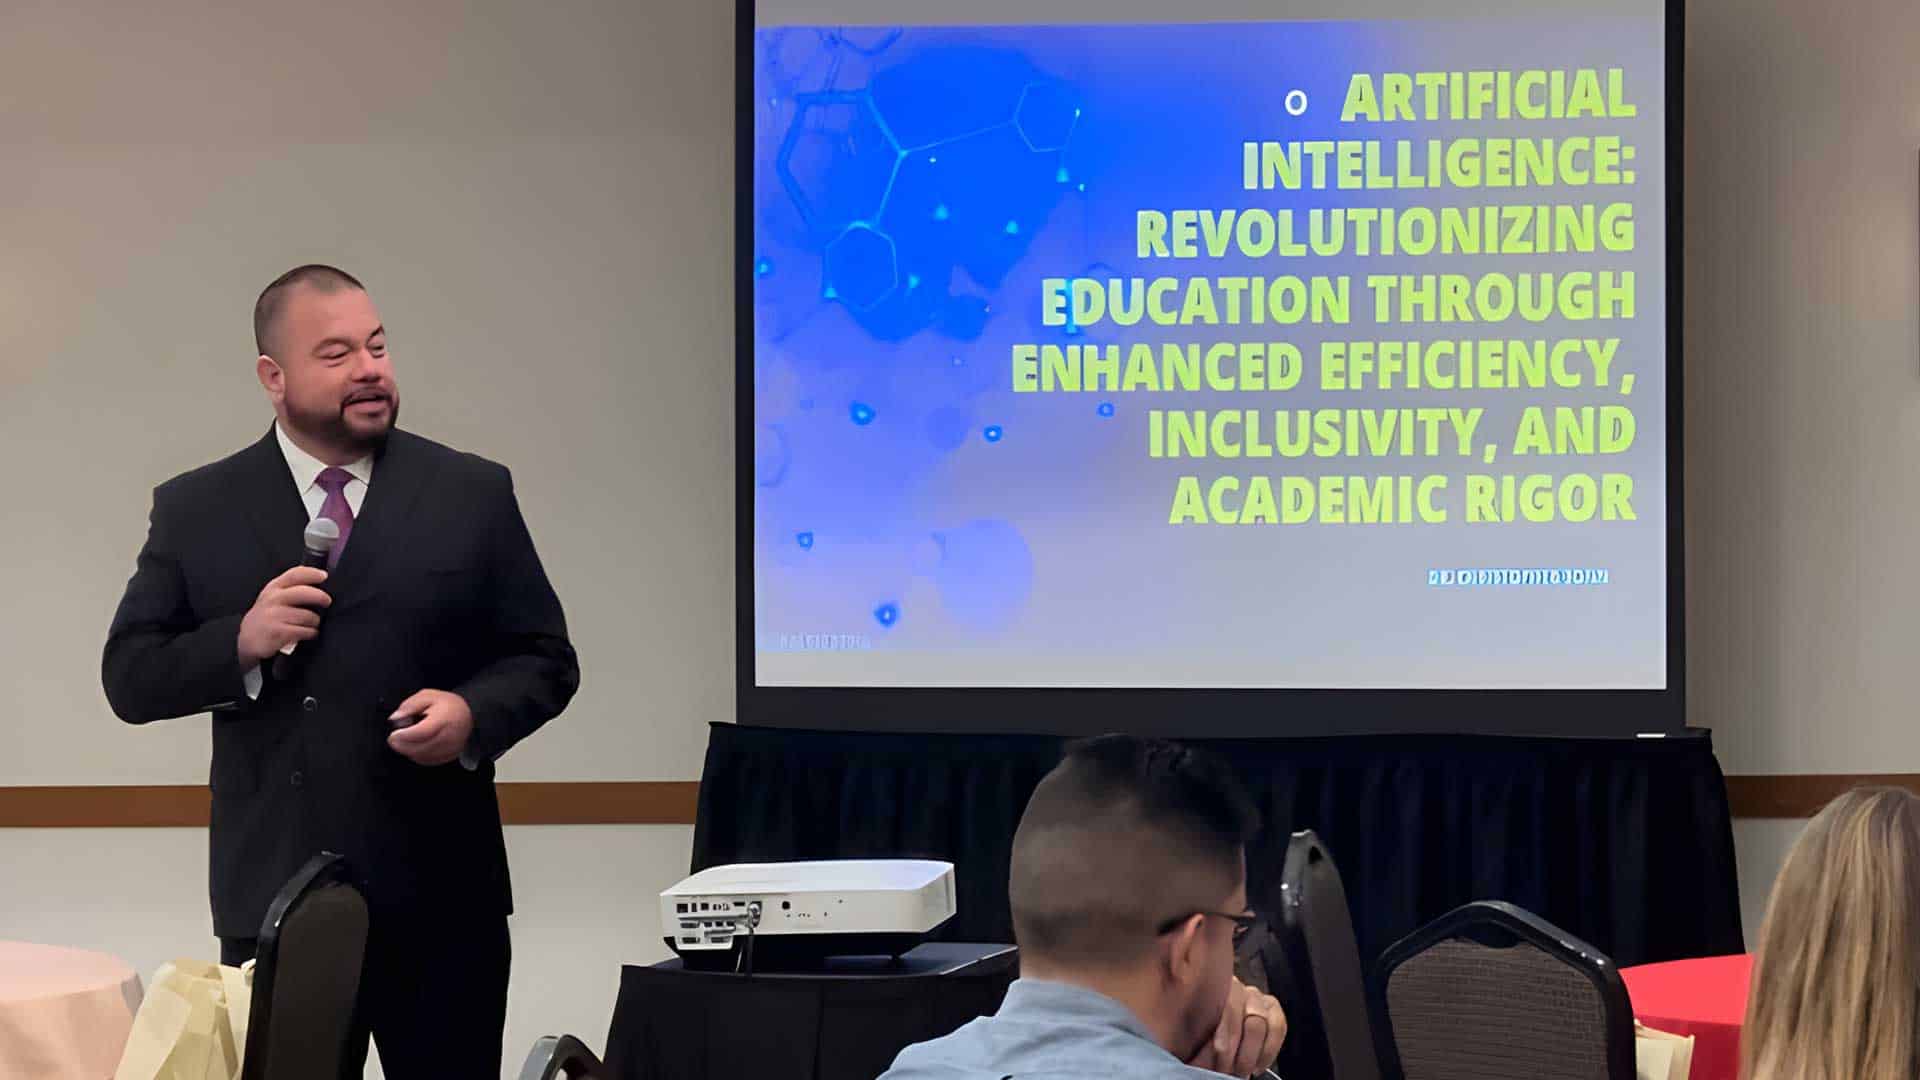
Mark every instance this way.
x=438 y=588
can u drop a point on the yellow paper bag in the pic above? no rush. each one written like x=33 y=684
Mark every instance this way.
x=185 y=1028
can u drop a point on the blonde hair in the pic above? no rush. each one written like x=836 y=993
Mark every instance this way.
x=1836 y=978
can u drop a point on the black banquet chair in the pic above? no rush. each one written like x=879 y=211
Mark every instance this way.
x=1312 y=964
x=1491 y=992
x=306 y=976
x=557 y=1056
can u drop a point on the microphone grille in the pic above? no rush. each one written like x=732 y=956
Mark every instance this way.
x=322 y=534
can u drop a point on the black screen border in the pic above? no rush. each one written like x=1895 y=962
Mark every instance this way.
x=1214 y=713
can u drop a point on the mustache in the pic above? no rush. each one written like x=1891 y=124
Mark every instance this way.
x=369 y=394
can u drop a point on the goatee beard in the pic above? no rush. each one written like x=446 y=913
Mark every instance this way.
x=332 y=428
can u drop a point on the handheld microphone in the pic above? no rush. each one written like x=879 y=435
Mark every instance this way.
x=319 y=539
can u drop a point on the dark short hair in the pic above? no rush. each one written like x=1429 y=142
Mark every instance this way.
x=1123 y=834
x=266 y=310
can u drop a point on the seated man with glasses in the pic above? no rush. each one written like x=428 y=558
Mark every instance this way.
x=1129 y=893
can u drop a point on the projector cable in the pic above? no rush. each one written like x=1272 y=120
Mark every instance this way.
x=745 y=956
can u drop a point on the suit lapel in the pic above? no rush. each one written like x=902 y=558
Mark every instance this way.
x=274 y=507
x=400 y=473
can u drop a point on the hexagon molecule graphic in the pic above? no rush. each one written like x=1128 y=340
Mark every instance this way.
x=949 y=160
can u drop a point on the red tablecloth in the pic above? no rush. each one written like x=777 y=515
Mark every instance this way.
x=1706 y=999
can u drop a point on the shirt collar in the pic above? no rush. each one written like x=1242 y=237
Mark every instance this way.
x=306 y=468
x=1065 y=1001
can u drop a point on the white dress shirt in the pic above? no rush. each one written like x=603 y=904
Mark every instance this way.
x=306 y=471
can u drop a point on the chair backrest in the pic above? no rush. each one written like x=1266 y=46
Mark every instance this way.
x=556 y=1056
x=1322 y=982
x=1490 y=992
x=306 y=976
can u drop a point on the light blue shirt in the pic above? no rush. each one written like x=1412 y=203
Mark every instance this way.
x=1047 y=1031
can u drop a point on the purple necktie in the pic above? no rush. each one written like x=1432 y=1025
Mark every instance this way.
x=333 y=481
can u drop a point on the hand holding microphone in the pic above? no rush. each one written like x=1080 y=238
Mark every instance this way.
x=287 y=611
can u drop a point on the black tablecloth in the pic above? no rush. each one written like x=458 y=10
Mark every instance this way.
x=1626 y=843
x=845 y=1023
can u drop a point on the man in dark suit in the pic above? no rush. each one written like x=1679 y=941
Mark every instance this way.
x=431 y=644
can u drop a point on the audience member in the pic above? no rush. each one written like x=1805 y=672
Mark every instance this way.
x=1128 y=887
x=1836 y=978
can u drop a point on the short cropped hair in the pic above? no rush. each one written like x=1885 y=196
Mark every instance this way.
x=1124 y=834
x=266 y=309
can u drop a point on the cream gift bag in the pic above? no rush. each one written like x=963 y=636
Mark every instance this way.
x=1660 y=1055
x=192 y=1026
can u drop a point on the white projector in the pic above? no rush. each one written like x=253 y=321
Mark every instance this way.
x=800 y=912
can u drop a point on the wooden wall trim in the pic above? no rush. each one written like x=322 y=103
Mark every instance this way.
x=630 y=802
x=1802 y=796
x=104 y=807
x=626 y=802
x=672 y=802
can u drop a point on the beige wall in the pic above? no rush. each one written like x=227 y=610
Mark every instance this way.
x=538 y=197
x=1803 y=382
x=1803 y=393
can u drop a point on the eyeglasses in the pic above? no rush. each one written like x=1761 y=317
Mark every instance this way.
x=1242 y=924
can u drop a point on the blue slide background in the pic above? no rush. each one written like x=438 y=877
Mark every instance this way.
x=917 y=523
